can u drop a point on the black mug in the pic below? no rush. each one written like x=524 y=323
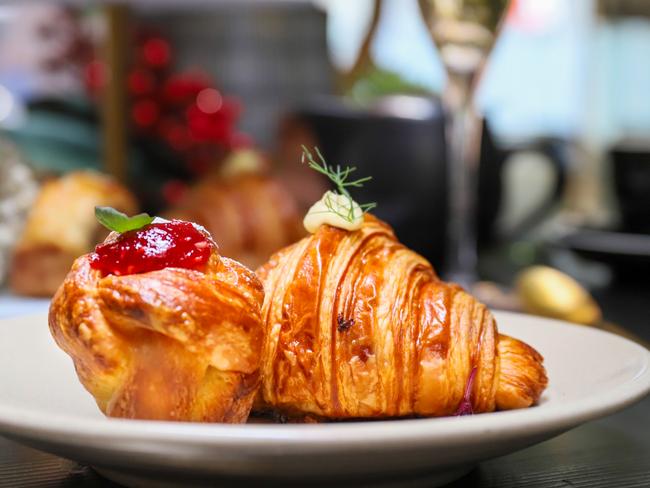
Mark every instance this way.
x=494 y=158
x=631 y=170
x=400 y=141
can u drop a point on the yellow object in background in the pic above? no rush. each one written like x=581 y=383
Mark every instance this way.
x=243 y=161
x=548 y=292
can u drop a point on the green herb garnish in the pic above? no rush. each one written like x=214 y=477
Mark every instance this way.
x=339 y=176
x=120 y=222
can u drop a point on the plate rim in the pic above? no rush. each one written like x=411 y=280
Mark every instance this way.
x=32 y=424
x=625 y=244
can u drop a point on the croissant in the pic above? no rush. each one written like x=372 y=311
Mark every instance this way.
x=250 y=215
x=359 y=326
x=60 y=226
x=167 y=344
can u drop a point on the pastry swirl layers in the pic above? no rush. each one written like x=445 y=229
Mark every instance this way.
x=172 y=344
x=359 y=326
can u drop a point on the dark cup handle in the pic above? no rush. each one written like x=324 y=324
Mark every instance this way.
x=556 y=152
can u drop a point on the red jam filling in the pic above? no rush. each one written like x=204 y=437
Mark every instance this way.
x=176 y=244
x=465 y=406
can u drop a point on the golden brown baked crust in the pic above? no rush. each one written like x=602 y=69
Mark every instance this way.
x=357 y=325
x=61 y=226
x=173 y=344
x=250 y=216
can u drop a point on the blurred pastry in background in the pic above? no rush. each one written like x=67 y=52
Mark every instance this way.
x=61 y=226
x=544 y=291
x=18 y=189
x=548 y=292
x=249 y=213
x=303 y=184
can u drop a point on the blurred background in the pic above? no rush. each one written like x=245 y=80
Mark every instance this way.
x=506 y=140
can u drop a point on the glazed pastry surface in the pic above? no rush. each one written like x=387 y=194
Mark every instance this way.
x=359 y=326
x=170 y=344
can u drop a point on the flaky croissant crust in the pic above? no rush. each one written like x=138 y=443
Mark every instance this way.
x=357 y=325
x=173 y=344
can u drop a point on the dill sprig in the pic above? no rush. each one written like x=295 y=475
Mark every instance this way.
x=339 y=176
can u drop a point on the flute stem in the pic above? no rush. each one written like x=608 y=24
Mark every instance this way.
x=464 y=152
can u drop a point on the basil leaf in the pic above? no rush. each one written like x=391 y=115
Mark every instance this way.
x=120 y=222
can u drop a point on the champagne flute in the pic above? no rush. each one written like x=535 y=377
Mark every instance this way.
x=464 y=31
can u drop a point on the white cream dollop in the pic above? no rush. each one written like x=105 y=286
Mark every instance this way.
x=330 y=210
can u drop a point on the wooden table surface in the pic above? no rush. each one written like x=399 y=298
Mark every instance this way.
x=611 y=452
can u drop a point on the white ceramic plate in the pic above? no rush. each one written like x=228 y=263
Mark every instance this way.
x=591 y=374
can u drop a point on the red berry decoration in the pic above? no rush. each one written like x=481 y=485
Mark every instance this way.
x=183 y=88
x=141 y=82
x=177 y=136
x=156 y=52
x=185 y=110
x=145 y=113
x=239 y=140
x=174 y=191
x=95 y=76
x=175 y=244
x=209 y=100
